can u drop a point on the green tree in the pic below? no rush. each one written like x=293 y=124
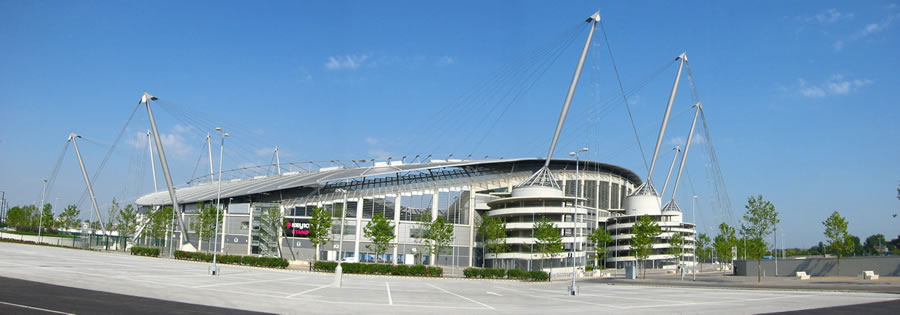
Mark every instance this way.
x=702 y=248
x=725 y=241
x=676 y=247
x=548 y=240
x=645 y=233
x=600 y=238
x=205 y=224
x=320 y=228
x=158 y=221
x=381 y=232
x=112 y=215
x=272 y=222
x=493 y=231
x=47 y=214
x=840 y=242
x=759 y=221
x=438 y=233
x=127 y=218
x=873 y=242
x=68 y=216
x=17 y=216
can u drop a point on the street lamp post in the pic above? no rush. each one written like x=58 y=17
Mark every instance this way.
x=339 y=271
x=214 y=270
x=573 y=290
x=41 y=211
x=694 y=218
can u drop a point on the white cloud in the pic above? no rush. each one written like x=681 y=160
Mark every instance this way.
x=446 y=60
x=372 y=140
x=873 y=28
x=345 y=62
x=838 y=45
x=835 y=85
x=174 y=143
x=680 y=141
x=265 y=151
x=826 y=17
x=379 y=154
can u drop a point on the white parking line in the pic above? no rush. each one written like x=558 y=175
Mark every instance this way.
x=485 y=305
x=35 y=308
x=247 y=282
x=307 y=291
x=390 y=300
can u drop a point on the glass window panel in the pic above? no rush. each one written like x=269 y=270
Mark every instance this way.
x=603 y=195
x=368 y=208
x=389 y=207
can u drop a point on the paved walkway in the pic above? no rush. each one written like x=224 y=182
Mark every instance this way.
x=295 y=292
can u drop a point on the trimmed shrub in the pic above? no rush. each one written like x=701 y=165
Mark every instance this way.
x=515 y=274
x=270 y=262
x=144 y=251
x=536 y=275
x=417 y=270
x=472 y=272
x=400 y=270
x=435 y=272
x=327 y=266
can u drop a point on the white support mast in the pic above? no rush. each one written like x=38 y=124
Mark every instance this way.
x=209 y=148
x=543 y=177
x=665 y=123
x=87 y=181
x=277 y=161
x=687 y=147
x=152 y=165
x=146 y=98
x=672 y=166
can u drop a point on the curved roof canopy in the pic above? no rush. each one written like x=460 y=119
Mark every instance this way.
x=249 y=186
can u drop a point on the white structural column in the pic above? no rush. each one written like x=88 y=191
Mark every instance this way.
x=434 y=214
x=472 y=225
x=152 y=165
x=87 y=182
x=671 y=167
x=665 y=122
x=397 y=201
x=687 y=148
x=359 y=207
x=146 y=98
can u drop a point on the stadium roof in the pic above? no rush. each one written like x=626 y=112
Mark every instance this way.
x=261 y=184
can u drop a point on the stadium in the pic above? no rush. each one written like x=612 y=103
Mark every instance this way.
x=461 y=191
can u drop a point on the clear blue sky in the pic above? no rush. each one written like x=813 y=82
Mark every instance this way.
x=801 y=97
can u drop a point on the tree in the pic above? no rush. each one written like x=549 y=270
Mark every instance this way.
x=272 y=221
x=159 y=220
x=47 y=214
x=872 y=243
x=320 y=228
x=438 y=233
x=645 y=232
x=702 y=248
x=205 y=224
x=676 y=247
x=112 y=215
x=68 y=216
x=547 y=239
x=840 y=242
x=759 y=221
x=381 y=232
x=127 y=218
x=599 y=238
x=493 y=231
x=725 y=241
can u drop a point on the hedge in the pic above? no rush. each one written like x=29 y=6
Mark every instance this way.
x=492 y=273
x=380 y=269
x=144 y=251
x=270 y=262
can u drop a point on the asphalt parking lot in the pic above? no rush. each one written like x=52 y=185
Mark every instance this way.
x=288 y=291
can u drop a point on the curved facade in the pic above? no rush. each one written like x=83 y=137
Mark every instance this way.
x=461 y=191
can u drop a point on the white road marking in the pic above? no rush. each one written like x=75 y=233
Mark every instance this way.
x=492 y=293
x=390 y=300
x=35 y=308
x=307 y=291
x=485 y=305
x=247 y=282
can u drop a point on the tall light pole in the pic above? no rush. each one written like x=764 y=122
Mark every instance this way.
x=573 y=290
x=339 y=271
x=215 y=268
x=694 y=218
x=41 y=211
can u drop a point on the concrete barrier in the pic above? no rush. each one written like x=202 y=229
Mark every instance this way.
x=822 y=266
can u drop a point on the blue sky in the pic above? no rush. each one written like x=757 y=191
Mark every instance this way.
x=800 y=96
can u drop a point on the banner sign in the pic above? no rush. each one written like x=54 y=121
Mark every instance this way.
x=298 y=228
